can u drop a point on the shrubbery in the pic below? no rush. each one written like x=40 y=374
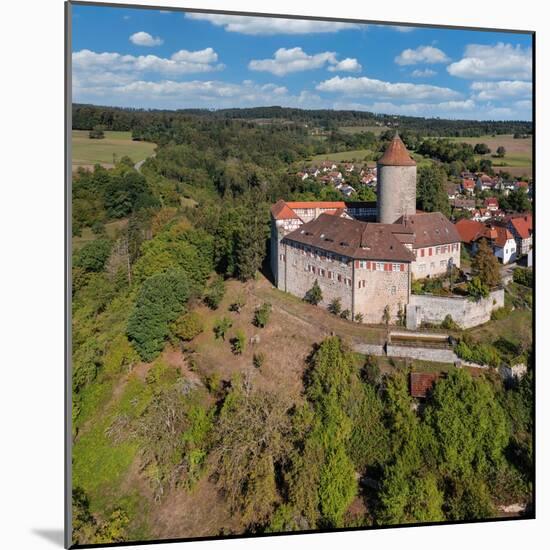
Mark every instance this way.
x=482 y=354
x=523 y=276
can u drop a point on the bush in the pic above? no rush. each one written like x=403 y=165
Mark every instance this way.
x=448 y=323
x=482 y=354
x=261 y=315
x=345 y=314
x=314 y=295
x=358 y=317
x=523 y=276
x=188 y=326
x=215 y=293
x=477 y=290
x=238 y=343
x=335 y=307
x=221 y=326
x=258 y=359
x=238 y=304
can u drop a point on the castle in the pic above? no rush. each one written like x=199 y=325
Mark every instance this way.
x=365 y=254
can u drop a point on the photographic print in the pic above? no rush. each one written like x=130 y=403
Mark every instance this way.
x=301 y=269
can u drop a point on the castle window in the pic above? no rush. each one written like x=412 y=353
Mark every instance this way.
x=396 y=267
x=442 y=263
x=393 y=290
x=421 y=268
x=379 y=266
x=437 y=250
x=339 y=278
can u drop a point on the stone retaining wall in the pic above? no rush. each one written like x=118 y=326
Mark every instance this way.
x=466 y=313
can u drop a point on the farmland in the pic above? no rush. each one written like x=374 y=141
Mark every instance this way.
x=361 y=155
x=518 y=160
x=86 y=152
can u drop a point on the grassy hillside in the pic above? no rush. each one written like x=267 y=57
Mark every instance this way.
x=87 y=152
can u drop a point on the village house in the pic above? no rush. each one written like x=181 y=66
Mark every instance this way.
x=453 y=190
x=521 y=227
x=464 y=204
x=500 y=239
x=485 y=182
x=491 y=203
x=468 y=186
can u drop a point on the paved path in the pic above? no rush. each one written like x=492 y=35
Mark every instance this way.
x=139 y=164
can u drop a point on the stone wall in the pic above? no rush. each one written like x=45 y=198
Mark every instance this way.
x=424 y=354
x=381 y=289
x=466 y=313
x=299 y=277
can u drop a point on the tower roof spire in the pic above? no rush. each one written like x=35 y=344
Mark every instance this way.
x=396 y=154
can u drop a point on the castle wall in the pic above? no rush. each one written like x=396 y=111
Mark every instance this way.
x=334 y=277
x=433 y=261
x=466 y=313
x=280 y=228
x=381 y=288
x=396 y=192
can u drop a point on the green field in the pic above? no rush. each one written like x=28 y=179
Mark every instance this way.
x=377 y=130
x=86 y=152
x=357 y=155
x=112 y=229
x=518 y=160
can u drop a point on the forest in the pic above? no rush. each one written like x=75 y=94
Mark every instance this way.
x=349 y=447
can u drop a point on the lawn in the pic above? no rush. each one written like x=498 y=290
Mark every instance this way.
x=86 y=152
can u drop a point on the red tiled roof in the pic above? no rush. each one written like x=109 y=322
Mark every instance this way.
x=317 y=204
x=467 y=184
x=469 y=230
x=497 y=234
x=523 y=225
x=491 y=201
x=281 y=211
x=422 y=382
x=396 y=154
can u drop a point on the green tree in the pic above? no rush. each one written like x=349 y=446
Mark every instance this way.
x=431 y=195
x=314 y=295
x=97 y=132
x=481 y=149
x=221 y=326
x=485 y=265
x=501 y=151
x=93 y=255
x=160 y=301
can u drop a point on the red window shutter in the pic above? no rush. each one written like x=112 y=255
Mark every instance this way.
x=387 y=267
x=402 y=266
x=430 y=251
x=422 y=253
x=368 y=265
x=356 y=264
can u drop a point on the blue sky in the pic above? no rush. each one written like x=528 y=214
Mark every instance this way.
x=153 y=59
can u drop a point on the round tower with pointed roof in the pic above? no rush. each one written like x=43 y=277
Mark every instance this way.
x=396 y=187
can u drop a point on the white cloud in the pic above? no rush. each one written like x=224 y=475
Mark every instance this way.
x=422 y=54
x=349 y=65
x=402 y=28
x=359 y=86
x=418 y=73
x=92 y=65
x=504 y=89
x=270 y=25
x=501 y=61
x=143 y=38
x=292 y=60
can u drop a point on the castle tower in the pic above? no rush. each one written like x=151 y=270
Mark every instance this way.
x=396 y=188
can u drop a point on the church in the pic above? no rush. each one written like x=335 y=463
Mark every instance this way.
x=365 y=254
